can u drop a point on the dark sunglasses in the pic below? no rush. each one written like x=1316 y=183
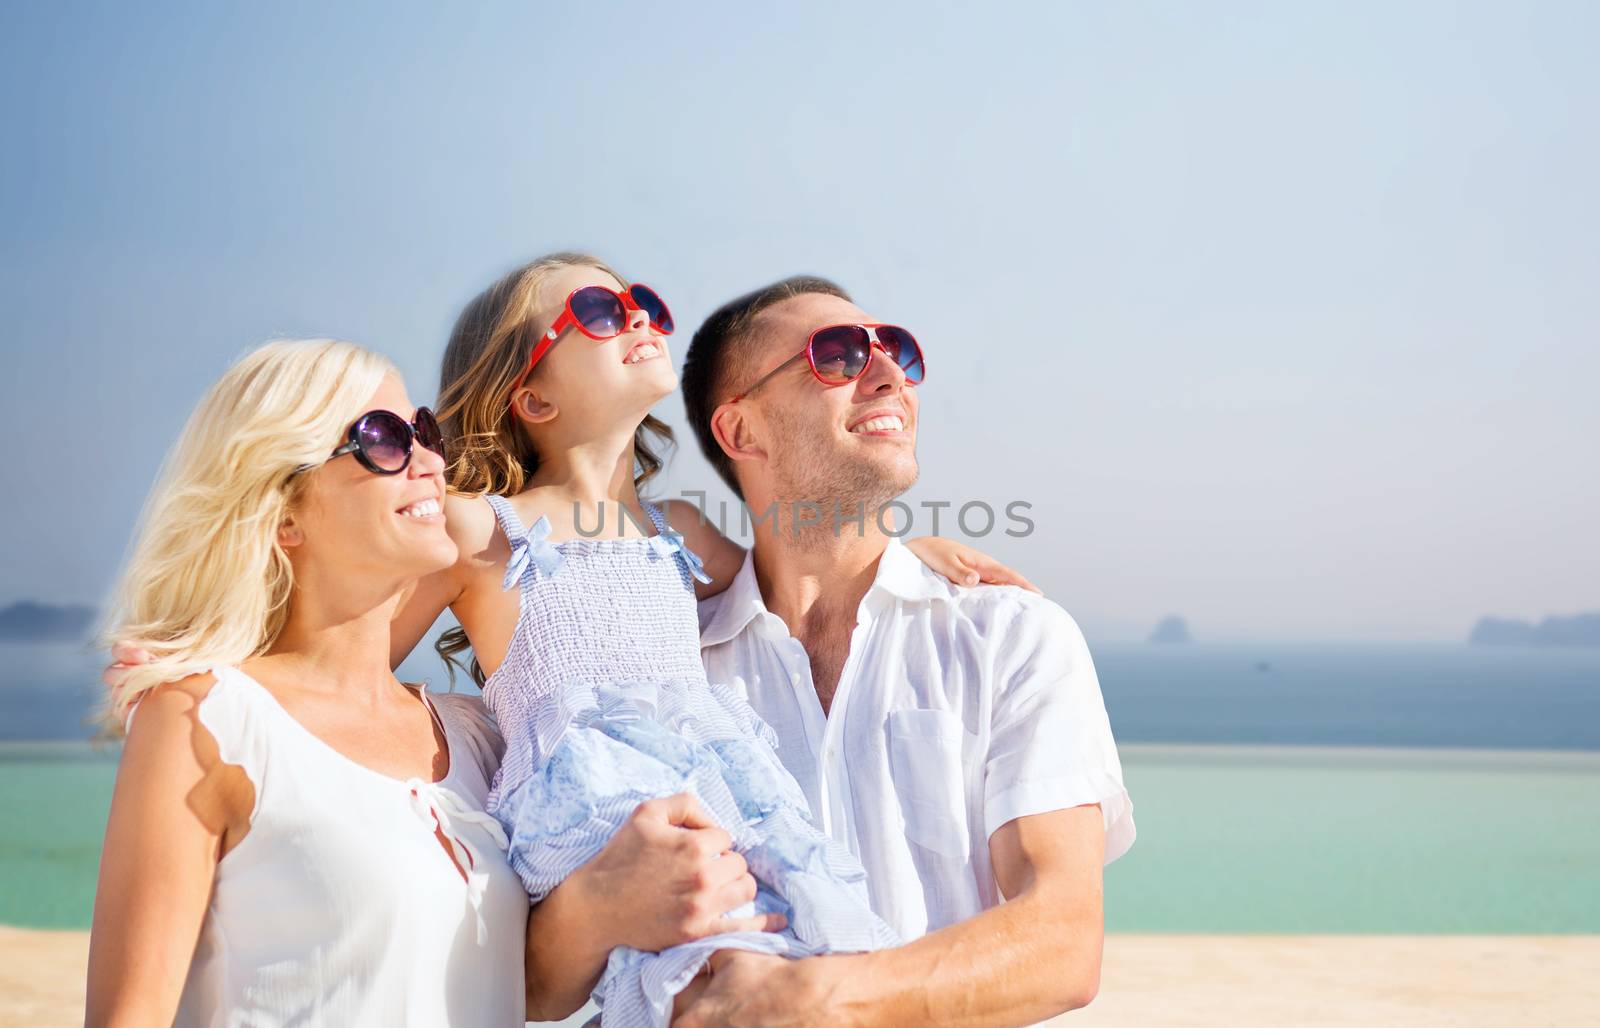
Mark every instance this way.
x=382 y=440
x=602 y=313
x=840 y=354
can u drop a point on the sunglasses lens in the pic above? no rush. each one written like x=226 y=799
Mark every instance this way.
x=654 y=307
x=840 y=353
x=385 y=440
x=902 y=346
x=599 y=312
x=428 y=432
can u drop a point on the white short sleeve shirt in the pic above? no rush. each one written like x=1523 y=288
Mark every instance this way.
x=958 y=710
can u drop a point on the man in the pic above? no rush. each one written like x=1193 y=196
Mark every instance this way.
x=955 y=738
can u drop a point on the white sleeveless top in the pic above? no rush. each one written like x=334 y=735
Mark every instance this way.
x=341 y=906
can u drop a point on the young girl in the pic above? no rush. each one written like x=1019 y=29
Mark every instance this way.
x=588 y=648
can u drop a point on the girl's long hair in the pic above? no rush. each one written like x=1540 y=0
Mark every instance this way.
x=483 y=363
x=206 y=583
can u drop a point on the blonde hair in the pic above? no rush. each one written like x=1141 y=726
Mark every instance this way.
x=207 y=583
x=484 y=362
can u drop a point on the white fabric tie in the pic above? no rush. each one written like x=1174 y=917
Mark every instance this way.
x=441 y=810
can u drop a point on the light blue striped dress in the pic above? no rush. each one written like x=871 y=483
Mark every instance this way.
x=604 y=704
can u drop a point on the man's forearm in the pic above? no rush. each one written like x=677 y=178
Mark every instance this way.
x=565 y=958
x=1024 y=961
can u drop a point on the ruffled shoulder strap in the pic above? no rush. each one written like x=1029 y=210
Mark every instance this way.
x=238 y=712
x=669 y=543
x=531 y=548
x=233 y=713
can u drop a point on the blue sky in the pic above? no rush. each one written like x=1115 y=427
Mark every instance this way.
x=1281 y=316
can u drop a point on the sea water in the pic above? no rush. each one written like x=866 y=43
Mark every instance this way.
x=1281 y=789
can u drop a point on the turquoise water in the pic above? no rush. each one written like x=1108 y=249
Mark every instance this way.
x=53 y=800
x=1285 y=839
x=1261 y=806
x=1231 y=839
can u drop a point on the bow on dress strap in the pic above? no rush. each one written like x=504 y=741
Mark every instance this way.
x=669 y=542
x=533 y=550
x=441 y=810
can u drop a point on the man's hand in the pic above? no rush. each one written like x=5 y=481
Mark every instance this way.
x=124 y=656
x=667 y=877
x=756 y=989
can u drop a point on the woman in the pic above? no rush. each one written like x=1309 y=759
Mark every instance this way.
x=293 y=834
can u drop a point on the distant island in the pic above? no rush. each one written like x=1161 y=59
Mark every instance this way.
x=1172 y=629
x=1577 y=630
x=42 y=622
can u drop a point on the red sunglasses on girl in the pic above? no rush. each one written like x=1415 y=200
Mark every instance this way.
x=602 y=313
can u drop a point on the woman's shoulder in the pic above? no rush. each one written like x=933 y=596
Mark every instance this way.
x=164 y=706
x=194 y=727
x=190 y=690
x=217 y=698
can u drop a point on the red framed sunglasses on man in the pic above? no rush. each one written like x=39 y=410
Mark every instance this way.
x=840 y=354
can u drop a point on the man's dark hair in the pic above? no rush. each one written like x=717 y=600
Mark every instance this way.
x=717 y=353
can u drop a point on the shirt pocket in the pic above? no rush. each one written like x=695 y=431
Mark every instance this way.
x=925 y=761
